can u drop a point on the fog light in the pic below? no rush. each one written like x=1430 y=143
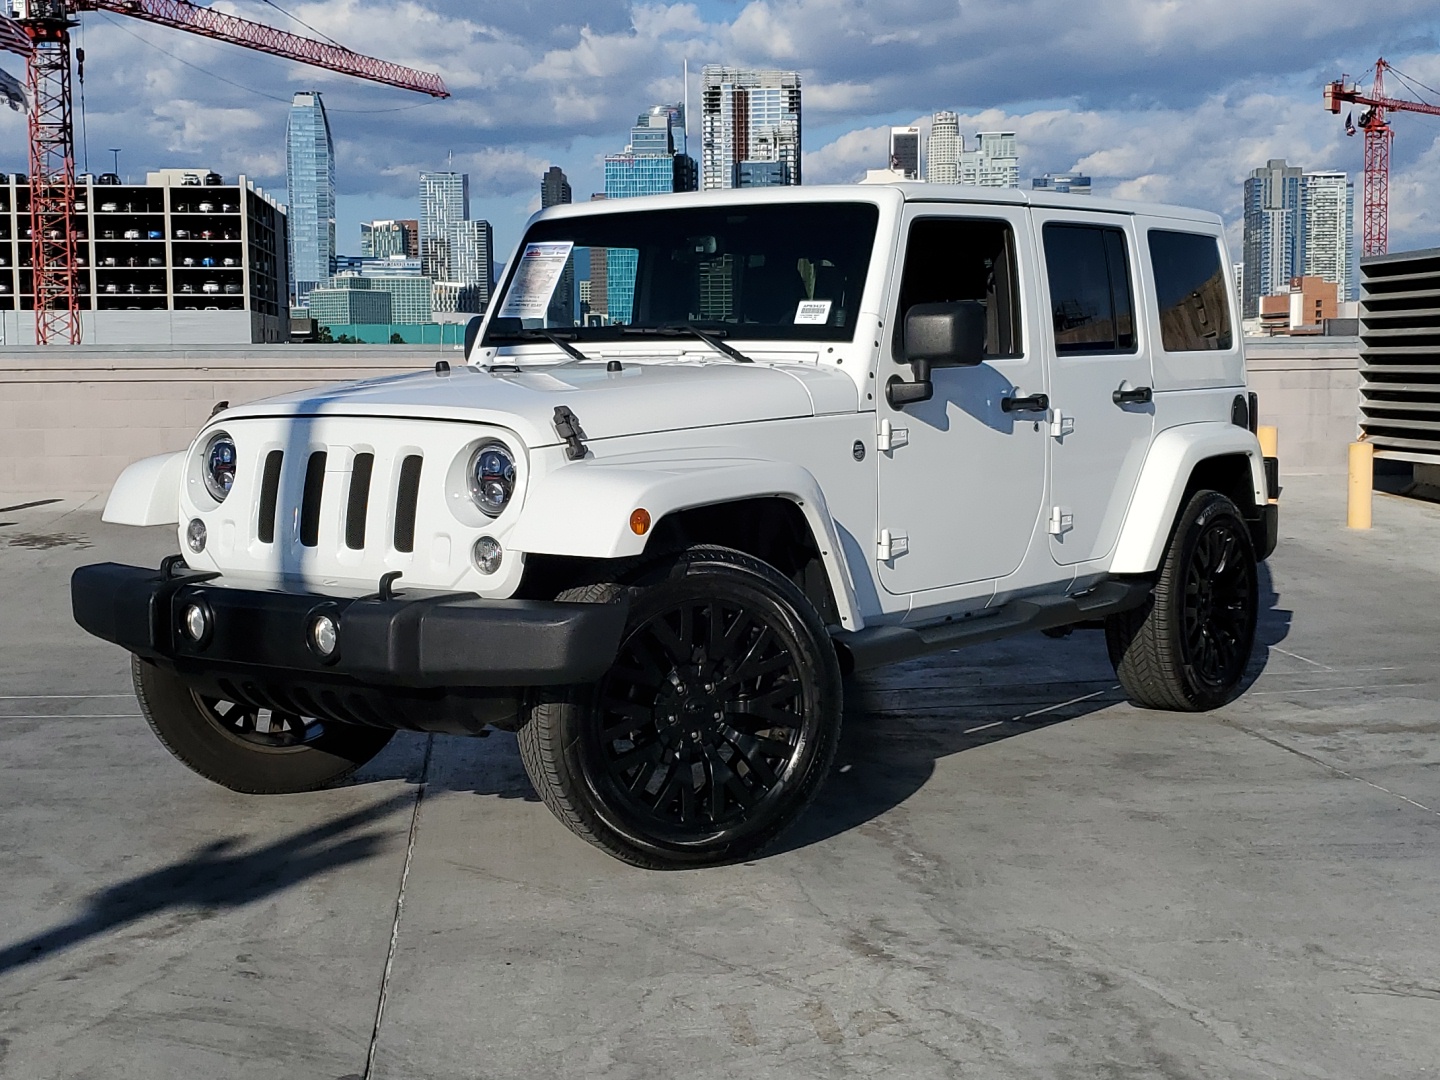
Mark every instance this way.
x=487 y=554
x=196 y=620
x=324 y=635
x=195 y=535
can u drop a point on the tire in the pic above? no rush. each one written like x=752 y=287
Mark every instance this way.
x=252 y=751
x=713 y=730
x=1187 y=648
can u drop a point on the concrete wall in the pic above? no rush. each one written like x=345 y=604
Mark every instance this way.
x=72 y=418
x=1310 y=389
x=156 y=328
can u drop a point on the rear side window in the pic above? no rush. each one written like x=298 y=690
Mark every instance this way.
x=1190 y=287
x=1092 y=304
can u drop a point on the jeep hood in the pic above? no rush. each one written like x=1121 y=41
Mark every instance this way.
x=641 y=398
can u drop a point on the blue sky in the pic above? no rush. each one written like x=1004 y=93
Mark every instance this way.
x=1170 y=100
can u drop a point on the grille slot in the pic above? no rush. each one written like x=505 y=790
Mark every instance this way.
x=359 y=503
x=407 y=498
x=269 y=496
x=310 y=501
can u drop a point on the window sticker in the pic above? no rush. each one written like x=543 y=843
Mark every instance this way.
x=812 y=313
x=541 y=266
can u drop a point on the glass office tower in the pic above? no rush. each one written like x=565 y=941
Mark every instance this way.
x=310 y=188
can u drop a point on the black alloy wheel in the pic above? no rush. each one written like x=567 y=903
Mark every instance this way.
x=255 y=751
x=1188 y=648
x=713 y=728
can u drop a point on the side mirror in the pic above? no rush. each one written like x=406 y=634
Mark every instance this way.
x=938 y=335
x=472 y=333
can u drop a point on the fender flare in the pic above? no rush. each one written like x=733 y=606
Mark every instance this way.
x=1173 y=456
x=147 y=492
x=583 y=510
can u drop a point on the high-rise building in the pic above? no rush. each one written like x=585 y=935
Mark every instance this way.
x=599 y=277
x=905 y=152
x=1061 y=183
x=554 y=188
x=381 y=239
x=1328 y=209
x=310 y=188
x=1274 y=240
x=745 y=116
x=649 y=165
x=472 y=256
x=444 y=203
x=555 y=191
x=994 y=161
x=942 y=152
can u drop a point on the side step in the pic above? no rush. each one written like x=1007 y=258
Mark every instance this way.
x=879 y=645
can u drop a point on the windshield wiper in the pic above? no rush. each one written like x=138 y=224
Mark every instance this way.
x=535 y=333
x=709 y=337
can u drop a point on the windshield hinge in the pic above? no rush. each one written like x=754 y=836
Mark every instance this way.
x=567 y=426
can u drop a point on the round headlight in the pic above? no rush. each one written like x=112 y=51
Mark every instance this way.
x=492 y=478
x=218 y=465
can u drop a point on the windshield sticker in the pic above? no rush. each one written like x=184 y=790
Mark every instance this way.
x=541 y=266
x=812 y=313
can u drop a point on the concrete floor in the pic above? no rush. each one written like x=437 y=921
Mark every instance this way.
x=1012 y=873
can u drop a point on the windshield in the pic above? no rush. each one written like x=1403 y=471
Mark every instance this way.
x=774 y=271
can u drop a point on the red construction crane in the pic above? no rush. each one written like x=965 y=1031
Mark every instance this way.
x=1378 y=135
x=44 y=39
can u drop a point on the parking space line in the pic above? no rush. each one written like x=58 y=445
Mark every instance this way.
x=1297 y=656
x=60 y=697
x=69 y=716
x=1334 y=689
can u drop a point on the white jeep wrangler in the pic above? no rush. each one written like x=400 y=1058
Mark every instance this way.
x=807 y=431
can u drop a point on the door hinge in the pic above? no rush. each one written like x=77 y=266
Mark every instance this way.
x=1060 y=424
x=891 y=547
x=888 y=438
x=1061 y=521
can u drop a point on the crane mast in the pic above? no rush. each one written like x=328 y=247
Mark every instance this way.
x=45 y=25
x=1378 y=137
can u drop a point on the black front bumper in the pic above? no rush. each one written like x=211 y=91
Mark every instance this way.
x=442 y=662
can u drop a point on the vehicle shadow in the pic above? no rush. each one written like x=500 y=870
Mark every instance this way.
x=216 y=877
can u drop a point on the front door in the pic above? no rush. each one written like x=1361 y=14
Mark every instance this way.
x=963 y=478
x=1100 y=380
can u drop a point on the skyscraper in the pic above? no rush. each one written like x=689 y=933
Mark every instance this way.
x=994 y=161
x=1274 y=239
x=310 y=188
x=942 y=152
x=444 y=203
x=554 y=188
x=1328 y=209
x=381 y=239
x=649 y=165
x=472 y=255
x=745 y=116
x=905 y=151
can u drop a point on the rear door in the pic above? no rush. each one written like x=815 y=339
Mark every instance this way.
x=1101 y=415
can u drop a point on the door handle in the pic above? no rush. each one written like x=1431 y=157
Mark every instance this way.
x=1033 y=403
x=1141 y=395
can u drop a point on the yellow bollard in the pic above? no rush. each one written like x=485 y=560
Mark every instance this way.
x=1362 y=484
x=1269 y=440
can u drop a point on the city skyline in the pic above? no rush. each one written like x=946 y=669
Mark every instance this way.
x=1177 y=107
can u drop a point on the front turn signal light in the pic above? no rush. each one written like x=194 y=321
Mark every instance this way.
x=640 y=521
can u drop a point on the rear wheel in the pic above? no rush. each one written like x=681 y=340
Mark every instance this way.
x=1188 y=648
x=250 y=750
x=712 y=731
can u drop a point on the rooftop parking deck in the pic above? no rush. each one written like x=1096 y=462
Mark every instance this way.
x=1012 y=872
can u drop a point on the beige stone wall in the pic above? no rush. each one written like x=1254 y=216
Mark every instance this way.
x=71 y=419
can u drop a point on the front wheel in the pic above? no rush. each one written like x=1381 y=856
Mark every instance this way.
x=712 y=731
x=1187 y=649
x=250 y=750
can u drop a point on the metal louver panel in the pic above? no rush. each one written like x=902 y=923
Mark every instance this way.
x=1400 y=354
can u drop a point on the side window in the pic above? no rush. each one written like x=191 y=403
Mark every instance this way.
x=1091 y=301
x=1190 y=286
x=949 y=259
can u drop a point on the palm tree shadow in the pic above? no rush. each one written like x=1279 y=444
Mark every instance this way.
x=216 y=877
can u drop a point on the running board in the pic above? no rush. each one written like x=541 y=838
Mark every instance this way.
x=888 y=644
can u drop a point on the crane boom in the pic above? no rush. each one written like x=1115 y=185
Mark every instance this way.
x=210 y=23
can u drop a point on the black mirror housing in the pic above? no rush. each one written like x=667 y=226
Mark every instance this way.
x=472 y=333
x=946 y=335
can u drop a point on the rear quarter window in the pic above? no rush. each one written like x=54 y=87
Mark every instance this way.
x=1191 y=292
